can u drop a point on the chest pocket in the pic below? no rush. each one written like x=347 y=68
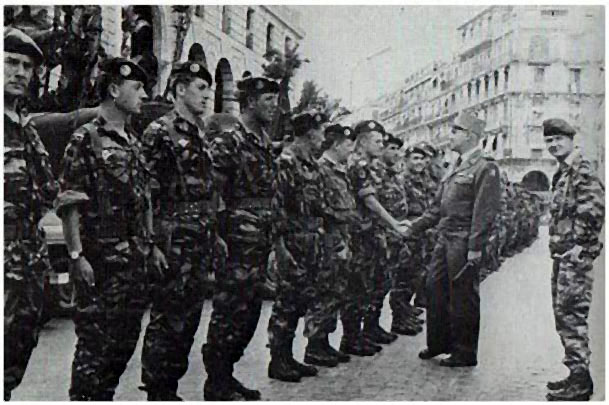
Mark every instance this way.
x=117 y=162
x=462 y=186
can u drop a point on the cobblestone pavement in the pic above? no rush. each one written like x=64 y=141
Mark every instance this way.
x=519 y=352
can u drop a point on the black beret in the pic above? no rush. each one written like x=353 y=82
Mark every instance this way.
x=368 y=126
x=307 y=120
x=415 y=149
x=124 y=68
x=428 y=148
x=257 y=85
x=192 y=68
x=17 y=41
x=337 y=131
x=392 y=139
x=557 y=126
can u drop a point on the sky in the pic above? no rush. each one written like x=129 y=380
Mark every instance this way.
x=340 y=38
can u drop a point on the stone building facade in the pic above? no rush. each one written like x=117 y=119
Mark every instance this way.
x=515 y=67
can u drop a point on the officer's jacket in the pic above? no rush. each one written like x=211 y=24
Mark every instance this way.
x=29 y=185
x=105 y=174
x=180 y=162
x=340 y=209
x=468 y=199
x=298 y=201
x=577 y=207
x=392 y=195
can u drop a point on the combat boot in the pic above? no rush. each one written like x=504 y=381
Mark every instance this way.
x=579 y=387
x=303 y=369
x=216 y=390
x=412 y=318
x=369 y=343
x=280 y=367
x=559 y=384
x=316 y=354
x=163 y=396
x=337 y=354
x=356 y=347
x=379 y=335
x=247 y=393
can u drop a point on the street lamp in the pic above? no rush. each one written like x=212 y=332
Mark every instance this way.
x=359 y=62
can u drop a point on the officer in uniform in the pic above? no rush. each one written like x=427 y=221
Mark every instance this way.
x=369 y=245
x=464 y=209
x=298 y=204
x=412 y=279
x=107 y=220
x=244 y=162
x=29 y=189
x=339 y=217
x=578 y=211
x=185 y=205
x=392 y=196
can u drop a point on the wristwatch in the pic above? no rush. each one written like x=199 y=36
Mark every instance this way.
x=75 y=255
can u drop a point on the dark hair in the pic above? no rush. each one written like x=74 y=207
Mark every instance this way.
x=333 y=139
x=104 y=81
x=183 y=78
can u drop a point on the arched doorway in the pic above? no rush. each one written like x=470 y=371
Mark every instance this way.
x=536 y=181
x=197 y=54
x=225 y=100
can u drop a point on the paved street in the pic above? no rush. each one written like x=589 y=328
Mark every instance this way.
x=519 y=352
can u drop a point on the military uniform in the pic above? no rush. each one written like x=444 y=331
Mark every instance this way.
x=185 y=206
x=577 y=209
x=464 y=209
x=29 y=189
x=244 y=160
x=105 y=174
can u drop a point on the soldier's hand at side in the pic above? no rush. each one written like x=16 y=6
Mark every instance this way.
x=83 y=269
x=158 y=259
x=574 y=253
x=474 y=255
x=345 y=253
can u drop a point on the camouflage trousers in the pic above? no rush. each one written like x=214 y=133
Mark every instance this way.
x=177 y=304
x=24 y=270
x=571 y=298
x=367 y=280
x=407 y=274
x=330 y=286
x=108 y=317
x=237 y=303
x=297 y=264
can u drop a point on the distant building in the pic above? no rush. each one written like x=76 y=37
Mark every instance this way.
x=515 y=67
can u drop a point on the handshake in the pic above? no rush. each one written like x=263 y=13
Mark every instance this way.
x=403 y=228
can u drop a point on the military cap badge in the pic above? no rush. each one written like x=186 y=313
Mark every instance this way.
x=259 y=85
x=371 y=125
x=194 y=68
x=125 y=70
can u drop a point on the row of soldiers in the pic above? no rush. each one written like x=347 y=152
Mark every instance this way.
x=145 y=215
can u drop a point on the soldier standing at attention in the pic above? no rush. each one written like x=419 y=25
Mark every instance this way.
x=245 y=162
x=29 y=189
x=578 y=212
x=369 y=244
x=298 y=205
x=107 y=223
x=464 y=209
x=339 y=217
x=185 y=205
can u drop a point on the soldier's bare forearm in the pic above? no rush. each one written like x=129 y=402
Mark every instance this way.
x=376 y=207
x=71 y=230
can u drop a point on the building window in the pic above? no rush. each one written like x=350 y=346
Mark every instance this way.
x=576 y=80
x=434 y=83
x=554 y=13
x=496 y=74
x=486 y=84
x=288 y=42
x=469 y=91
x=249 y=29
x=463 y=34
x=478 y=88
x=200 y=11
x=225 y=20
x=539 y=73
x=506 y=73
x=269 y=37
x=453 y=99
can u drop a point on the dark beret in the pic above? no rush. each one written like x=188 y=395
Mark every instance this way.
x=557 y=126
x=368 y=126
x=252 y=86
x=124 y=68
x=429 y=149
x=307 y=120
x=415 y=149
x=337 y=131
x=17 y=41
x=192 y=68
x=391 y=139
x=222 y=122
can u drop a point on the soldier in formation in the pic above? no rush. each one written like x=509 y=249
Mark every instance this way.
x=578 y=210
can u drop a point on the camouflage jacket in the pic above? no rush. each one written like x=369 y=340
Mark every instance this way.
x=577 y=207
x=29 y=185
x=392 y=194
x=106 y=175
x=366 y=178
x=298 y=200
x=416 y=193
x=180 y=164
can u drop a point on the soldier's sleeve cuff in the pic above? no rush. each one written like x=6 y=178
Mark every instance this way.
x=67 y=199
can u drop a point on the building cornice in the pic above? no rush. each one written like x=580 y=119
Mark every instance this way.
x=291 y=25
